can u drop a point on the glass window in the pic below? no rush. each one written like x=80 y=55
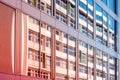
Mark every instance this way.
x=48 y=42
x=71 y=38
x=82 y=69
x=65 y=49
x=71 y=51
x=105 y=18
x=98 y=13
x=82 y=58
x=82 y=5
x=111 y=23
x=72 y=66
x=104 y=1
x=112 y=5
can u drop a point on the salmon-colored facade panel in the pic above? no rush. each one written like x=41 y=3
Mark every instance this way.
x=24 y=19
x=7 y=17
x=18 y=43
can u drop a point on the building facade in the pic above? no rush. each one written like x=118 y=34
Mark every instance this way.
x=59 y=40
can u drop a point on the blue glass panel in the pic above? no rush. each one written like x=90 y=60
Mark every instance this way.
x=112 y=5
x=105 y=15
x=82 y=5
x=104 y=1
x=90 y=2
x=99 y=9
x=111 y=23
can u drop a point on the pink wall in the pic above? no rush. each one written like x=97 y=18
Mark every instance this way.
x=6 y=27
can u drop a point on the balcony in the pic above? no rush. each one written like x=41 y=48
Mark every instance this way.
x=105 y=69
x=48 y=51
x=59 y=38
x=90 y=64
x=82 y=22
x=98 y=21
x=71 y=58
x=112 y=31
x=34 y=27
x=99 y=78
x=61 y=54
x=33 y=45
x=72 y=1
x=43 y=48
x=63 y=10
x=83 y=75
x=71 y=43
x=111 y=71
x=47 y=1
x=45 y=32
x=90 y=27
x=98 y=13
x=33 y=63
x=90 y=16
x=84 y=1
x=111 y=40
x=105 y=26
x=104 y=58
x=111 y=61
x=90 y=77
x=105 y=37
x=98 y=67
x=81 y=9
x=83 y=49
x=97 y=56
x=61 y=70
x=99 y=33
x=64 y=40
x=71 y=73
x=90 y=52
x=90 y=7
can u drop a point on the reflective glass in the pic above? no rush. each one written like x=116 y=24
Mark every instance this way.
x=111 y=23
x=104 y=18
x=104 y=1
x=82 y=5
x=112 y=5
x=98 y=13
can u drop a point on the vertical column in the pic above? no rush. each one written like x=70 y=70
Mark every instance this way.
x=108 y=75
x=53 y=7
x=76 y=13
x=18 y=45
x=108 y=27
x=94 y=37
x=77 y=63
x=87 y=63
x=77 y=41
x=53 y=55
x=94 y=65
x=67 y=76
x=68 y=6
x=118 y=69
x=118 y=38
x=40 y=48
x=94 y=23
x=115 y=61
